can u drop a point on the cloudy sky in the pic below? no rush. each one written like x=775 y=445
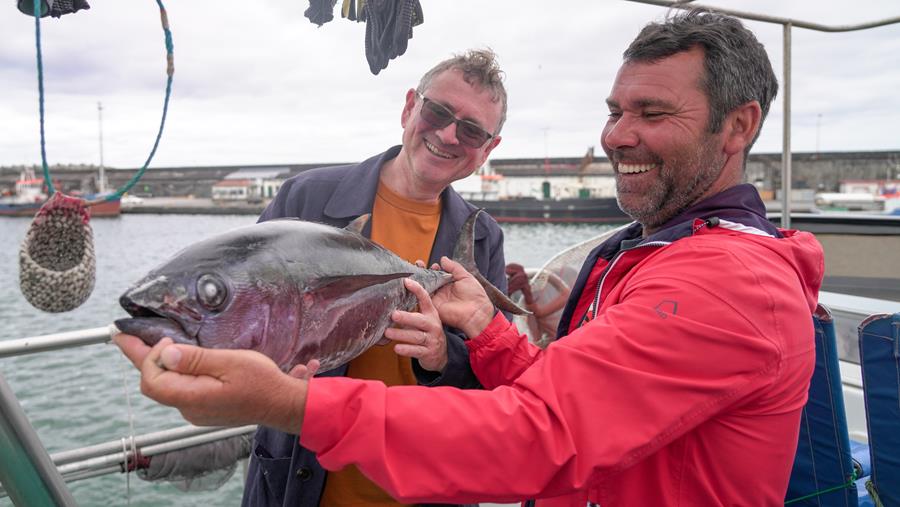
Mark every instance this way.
x=257 y=83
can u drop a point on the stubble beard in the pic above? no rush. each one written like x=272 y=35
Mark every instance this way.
x=667 y=196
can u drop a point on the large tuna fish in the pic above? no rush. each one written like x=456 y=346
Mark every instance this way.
x=290 y=289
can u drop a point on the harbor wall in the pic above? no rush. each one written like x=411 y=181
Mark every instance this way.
x=820 y=172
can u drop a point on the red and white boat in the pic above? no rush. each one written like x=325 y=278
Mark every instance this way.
x=29 y=195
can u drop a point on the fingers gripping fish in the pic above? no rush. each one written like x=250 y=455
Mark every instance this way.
x=290 y=289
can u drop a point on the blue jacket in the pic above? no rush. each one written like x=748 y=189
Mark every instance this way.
x=281 y=472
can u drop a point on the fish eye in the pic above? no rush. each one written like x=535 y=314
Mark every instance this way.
x=211 y=291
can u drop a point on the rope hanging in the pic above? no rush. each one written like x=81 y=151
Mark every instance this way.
x=57 y=266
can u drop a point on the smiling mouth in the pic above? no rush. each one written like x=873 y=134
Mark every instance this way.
x=437 y=152
x=634 y=168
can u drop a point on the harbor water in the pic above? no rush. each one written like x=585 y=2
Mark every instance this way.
x=88 y=395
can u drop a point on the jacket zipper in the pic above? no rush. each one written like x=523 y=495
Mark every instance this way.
x=592 y=310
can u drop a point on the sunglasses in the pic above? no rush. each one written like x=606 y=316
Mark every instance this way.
x=468 y=133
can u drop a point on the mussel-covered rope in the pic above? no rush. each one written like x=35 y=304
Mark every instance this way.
x=170 y=71
x=57 y=265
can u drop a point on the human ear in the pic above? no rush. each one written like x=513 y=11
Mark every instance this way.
x=408 y=107
x=741 y=126
x=490 y=147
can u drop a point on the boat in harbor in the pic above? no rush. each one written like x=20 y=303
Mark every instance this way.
x=556 y=193
x=530 y=209
x=26 y=197
x=29 y=194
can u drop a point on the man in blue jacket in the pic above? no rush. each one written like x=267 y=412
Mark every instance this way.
x=451 y=122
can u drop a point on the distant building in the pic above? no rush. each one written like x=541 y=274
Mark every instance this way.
x=874 y=187
x=551 y=178
x=232 y=190
x=250 y=184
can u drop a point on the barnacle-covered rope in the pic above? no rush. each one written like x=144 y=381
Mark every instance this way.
x=57 y=265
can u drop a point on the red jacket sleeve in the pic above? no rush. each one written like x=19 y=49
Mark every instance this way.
x=606 y=396
x=500 y=353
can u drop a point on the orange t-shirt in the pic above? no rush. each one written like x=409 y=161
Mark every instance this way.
x=406 y=228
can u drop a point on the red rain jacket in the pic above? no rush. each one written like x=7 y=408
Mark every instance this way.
x=685 y=389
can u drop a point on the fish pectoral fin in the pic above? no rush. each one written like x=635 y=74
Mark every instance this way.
x=337 y=286
x=358 y=224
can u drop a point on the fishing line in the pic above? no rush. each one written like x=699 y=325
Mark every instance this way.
x=126 y=465
x=57 y=267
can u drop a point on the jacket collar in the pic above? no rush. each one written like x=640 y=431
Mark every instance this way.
x=355 y=196
x=740 y=204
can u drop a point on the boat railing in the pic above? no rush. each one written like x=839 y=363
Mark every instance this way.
x=119 y=455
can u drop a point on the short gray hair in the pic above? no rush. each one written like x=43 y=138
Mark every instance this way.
x=737 y=68
x=479 y=68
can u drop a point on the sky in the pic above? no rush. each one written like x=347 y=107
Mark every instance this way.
x=257 y=83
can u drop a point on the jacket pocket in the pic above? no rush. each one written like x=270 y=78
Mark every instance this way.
x=272 y=479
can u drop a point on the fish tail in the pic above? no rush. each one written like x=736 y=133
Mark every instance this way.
x=464 y=253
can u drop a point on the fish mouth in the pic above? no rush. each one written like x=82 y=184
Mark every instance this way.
x=153 y=329
x=158 y=318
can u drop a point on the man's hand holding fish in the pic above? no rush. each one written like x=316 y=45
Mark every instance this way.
x=420 y=334
x=213 y=387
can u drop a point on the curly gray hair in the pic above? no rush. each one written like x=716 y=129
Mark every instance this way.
x=479 y=68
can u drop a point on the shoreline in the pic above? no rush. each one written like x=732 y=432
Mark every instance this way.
x=191 y=206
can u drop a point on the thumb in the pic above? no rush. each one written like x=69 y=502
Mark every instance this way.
x=454 y=268
x=169 y=358
x=193 y=360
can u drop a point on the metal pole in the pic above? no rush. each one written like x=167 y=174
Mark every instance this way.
x=101 y=185
x=27 y=474
x=184 y=443
x=786 y=140
x=119 y=458
x=61 y=458
x=775 y=19
x=57 y=341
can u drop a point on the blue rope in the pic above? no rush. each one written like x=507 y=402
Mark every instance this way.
x=40 y=66
x=170 y=70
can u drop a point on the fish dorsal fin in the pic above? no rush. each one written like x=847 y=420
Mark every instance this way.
x=337 y=286
x=358 y=223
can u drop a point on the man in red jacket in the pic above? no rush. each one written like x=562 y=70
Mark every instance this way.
x=684 y=352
